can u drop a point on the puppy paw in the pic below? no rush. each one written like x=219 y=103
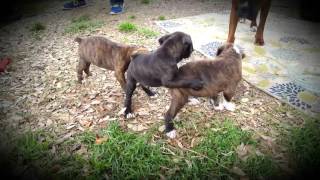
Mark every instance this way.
x=129 y=116
x=154 y=96
x=253 y=28
x=229 y=106
x=193 y=101
x=220 y=107
x=172 y=134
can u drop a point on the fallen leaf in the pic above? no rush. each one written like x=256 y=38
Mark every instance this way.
x=70 y=126
x=95 y=102
x=244 y=100
x=243 y=151
x=85 y=123
x=100 y=140
x=162 y=128
x=236 y=170
x=179 y=144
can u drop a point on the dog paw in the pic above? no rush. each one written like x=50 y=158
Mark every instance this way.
x=193 y=101
x=172 y=134
x=154 y=96
x=229 y=106
x=253 y=28
x=220 y=107
x=242 y=20
x=129 y=116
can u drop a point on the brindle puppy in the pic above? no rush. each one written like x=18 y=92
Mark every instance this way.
x=159 y=68
x=106 y=54
x=220 y=75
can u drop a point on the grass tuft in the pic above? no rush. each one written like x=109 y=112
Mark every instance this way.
x=304 y=148
x=132 y=17
x=37 y=27
x=147 y=32
x=127 y=27
x=161 y=18
x=218 y=148
x=83 y=23
x=145 y=1
x=126 y=156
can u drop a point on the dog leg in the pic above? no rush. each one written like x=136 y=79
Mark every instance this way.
x=86 y=69
x=120 y=78
x=130 y=87
x=217 y=103
x=253 y=25
x=178 y=100
x=227 y=96
x=147 y=90
x=265 y=7
x=80 y=68
x=233 y=21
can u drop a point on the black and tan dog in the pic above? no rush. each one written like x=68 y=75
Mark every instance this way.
x=159 y=68
x=220 y=75
x=107 y=54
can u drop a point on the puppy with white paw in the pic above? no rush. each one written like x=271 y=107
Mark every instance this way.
x=219 y=75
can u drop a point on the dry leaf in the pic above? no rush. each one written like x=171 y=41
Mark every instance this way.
x=237 y=171
x=162 y=128
x=85 y=123
x=243 y=151
x=244 y=100
x=179 y=144
x=100 y=140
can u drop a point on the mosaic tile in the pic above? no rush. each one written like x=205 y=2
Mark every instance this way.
x=286 y=54
x=211 y=48
x=287 y=39
x=169 y=24
x=290 y=92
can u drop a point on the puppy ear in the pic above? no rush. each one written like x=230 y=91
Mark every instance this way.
x=163 y=39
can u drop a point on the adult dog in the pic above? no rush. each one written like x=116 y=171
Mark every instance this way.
x=106 y=54
x=220 y=75
x=159 y=68
x=249 y=9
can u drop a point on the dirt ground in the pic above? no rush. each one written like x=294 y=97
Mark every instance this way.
x=39 y=90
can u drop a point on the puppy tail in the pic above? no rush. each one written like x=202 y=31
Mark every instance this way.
x=78 y=39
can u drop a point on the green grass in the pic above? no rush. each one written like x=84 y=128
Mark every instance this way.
x=218 y=149
x=147 y=32
x=83 y=23
x=145 y=1
x=161 y=18
x=37 y=27
x=304 y=148
x=261 y=166
x=127 y=27
x=126 y=155
x=132 y=17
